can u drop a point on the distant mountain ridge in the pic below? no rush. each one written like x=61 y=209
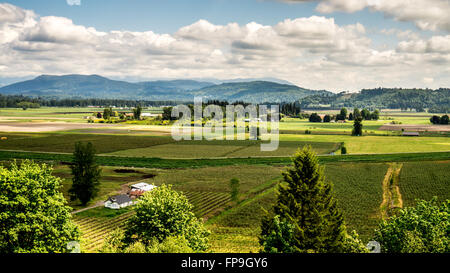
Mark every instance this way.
x=95 y=86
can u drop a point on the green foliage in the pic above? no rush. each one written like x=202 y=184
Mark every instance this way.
x=305 y=201
x=342 y=115
x=86 y=174
x=424 y=228
x=26 y=104
x=444 y=120
x=357 y=127
x=343 y=149
x=137 y=112
x=114 y=243
x=34 y=217
x=163 y=213
x=234 y=190
x=353 y=244
x=280 y=237
x=107 y=113
x=327 y=118
x=315 y=118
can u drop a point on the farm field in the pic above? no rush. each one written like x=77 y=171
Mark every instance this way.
x=379 y=144
x=235 y=228
x=165 y=147
x=131 y=153
x=424 y=180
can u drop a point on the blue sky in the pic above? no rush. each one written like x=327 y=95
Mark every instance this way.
x=320 y=44
x=167 y=16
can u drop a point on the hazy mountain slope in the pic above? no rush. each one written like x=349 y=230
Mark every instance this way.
x=259 y=91
x=94 y=86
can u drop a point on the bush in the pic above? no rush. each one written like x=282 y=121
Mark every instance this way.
x=343 y=149
x=424 y=228
x=164 y=213
x=114 y=243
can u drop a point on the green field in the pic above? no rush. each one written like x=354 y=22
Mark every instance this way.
x=202 y=169
x=424 y=180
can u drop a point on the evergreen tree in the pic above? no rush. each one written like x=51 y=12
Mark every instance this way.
x=305 y=217
x=357 y=127
x=86 y=174
x=350 y=116
x=234 y=190
x=137 y=112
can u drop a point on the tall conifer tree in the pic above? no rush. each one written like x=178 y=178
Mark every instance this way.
x=305 y=213
x=86 y=174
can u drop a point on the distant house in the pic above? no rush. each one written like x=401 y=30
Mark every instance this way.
x=143 y=187
x=150 y=115
x=414 y=134
x=134 y=193
x=118 y=202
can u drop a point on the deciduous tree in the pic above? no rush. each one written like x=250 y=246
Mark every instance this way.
x=164 y=213
x=34 y=217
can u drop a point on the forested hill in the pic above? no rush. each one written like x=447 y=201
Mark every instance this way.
x=384 y=98
x=256 y=92
x=98 y=87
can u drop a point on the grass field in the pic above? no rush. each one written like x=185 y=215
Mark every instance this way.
x=378 y=144
x=358 y=191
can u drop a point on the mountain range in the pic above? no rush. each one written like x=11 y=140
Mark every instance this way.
x=95 y=86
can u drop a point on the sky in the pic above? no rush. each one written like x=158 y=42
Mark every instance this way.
x=337 y=45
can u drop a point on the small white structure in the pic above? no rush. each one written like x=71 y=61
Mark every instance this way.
x=118 y=202
x=143 y=187
x=149 y=115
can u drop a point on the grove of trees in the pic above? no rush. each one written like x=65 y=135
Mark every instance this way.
x=444 y=120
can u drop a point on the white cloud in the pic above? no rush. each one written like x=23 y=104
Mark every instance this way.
x=74 y=2
x=425 y=14
x=313 y=52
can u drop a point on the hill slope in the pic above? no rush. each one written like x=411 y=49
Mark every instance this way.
x=391 y=98
x=256 y=92
x=94 y=86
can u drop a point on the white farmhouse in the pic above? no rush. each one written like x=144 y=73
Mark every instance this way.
x=143 y=187
x=118 y=202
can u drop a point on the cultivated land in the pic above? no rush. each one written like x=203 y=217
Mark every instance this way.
x=131 y=153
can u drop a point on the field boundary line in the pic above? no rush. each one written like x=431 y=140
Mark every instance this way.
x=392 y=198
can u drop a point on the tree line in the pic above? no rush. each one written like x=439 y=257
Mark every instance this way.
x=13 y=101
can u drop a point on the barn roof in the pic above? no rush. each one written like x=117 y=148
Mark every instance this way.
x=411 y=134
x=120 y=199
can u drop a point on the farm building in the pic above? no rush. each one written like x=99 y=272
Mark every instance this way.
x=134 y=194
x=118 y=202
x=150 y=115
x=416 y=134
x=143 y=187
